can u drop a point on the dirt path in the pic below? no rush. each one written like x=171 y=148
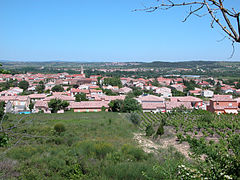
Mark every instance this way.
x=151 y=147
x=147 y=145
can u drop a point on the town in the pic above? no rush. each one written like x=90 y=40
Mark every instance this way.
x=32 y=93
x=120 y=90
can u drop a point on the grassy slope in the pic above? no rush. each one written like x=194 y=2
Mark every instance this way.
x=92 y=147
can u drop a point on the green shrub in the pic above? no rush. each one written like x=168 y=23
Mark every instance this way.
x=59 y=128
x=58 y=141
x=149 y=130
x=126 y=170
x=135 y=118
x=103 y=108
x=136 y=153
x=3 y=140
x=102 y=149
x=160 y=130
x=95 y=149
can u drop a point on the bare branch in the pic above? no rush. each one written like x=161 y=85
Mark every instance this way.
x=213 y=7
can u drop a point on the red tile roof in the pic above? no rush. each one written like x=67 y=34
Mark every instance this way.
x=88 y=104
x=150 y=98
x=222 y=98
x=186 y=99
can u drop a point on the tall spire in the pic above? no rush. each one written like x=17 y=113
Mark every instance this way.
x=82 y=70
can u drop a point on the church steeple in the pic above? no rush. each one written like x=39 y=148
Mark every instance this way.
x=82 y=72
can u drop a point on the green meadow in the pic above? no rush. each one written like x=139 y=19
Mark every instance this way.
x=81 y=146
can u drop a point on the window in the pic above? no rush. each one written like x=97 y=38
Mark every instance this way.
x=230 y=104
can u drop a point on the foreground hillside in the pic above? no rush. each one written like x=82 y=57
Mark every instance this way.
x=81 y=146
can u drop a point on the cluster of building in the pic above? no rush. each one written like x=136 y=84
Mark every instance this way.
x=162 y=101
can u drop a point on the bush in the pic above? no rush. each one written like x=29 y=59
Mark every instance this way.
x=95 y=149
x=103 y=108
x=136 y=153
x=3 y=140
x=134 y=118
x=59 y=128
x=160 y=130
x=102 y=149
x=149 y=130
x=58 y=141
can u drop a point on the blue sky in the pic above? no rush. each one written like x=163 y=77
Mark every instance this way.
x=105 y=30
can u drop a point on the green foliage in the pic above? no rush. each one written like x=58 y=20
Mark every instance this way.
x=57 y=88
x=80 y=97
x=23 y=85
x=103 y=108
x=59 y=128
x=91 y=150
x=155 y=83
x=4 y=139
x=114 y=81
x=160 y=130
x=136 y=91
x=177 y=93
x=41 y=87
x=75 y=86
x=181 y=109
x=149 y=130
x=57 y=104
x=218 y=88
x=190 y=85
x=133 y=152
x=116 y=105
x=109 y=92
x=6 y=85
x=135 y=118
x=31 y=105
x=127 y=105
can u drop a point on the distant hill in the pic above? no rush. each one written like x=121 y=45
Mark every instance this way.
x=190 y=64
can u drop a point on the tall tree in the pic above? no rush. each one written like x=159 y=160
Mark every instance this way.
x=57 y=104
x=23 y=85
x=40 y=88
x=80 y=97
x=57 y=88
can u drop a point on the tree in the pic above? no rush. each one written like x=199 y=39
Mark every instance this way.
x=80 y=97
x=40 y=88
x=23 y=85
x=58 y=88
x=135 y=93
x=135 y=118
x=57 y=104
x=114 y=81
x=109 y=92
x=4 y=71
x=225 y=17
x=149 y=130
x=130 y=105
x=31 y=106
x=218 y=88
x=160 y=130
x=116 y=105
x=127 y=105
x=75 y=86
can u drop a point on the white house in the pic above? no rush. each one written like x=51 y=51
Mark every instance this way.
x=207 y=93
x=164 y=91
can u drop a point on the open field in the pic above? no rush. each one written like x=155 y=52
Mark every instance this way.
x=93 y=146
x=107 y=145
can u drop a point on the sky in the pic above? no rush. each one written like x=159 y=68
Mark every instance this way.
x=106 y=30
